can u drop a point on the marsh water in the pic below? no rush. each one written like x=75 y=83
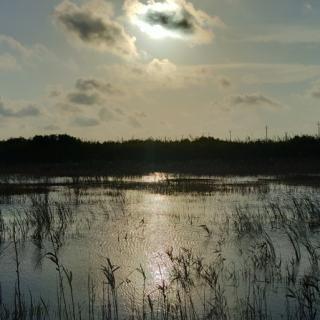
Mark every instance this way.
x=160 y=247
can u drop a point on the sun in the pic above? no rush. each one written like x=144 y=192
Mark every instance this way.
x=154 y=31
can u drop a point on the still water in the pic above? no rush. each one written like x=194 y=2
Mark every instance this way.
x=223 y=247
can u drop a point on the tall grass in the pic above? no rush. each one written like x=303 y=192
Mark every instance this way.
x=197 y=287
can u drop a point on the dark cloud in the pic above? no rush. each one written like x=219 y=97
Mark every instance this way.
x=133 y=122
x=254 y=99
x=119 y=111
x=83 y=98
x=91 y=91
x=66 y=107
x=95 y=84
x=29 y=111
x=95 y=30
x=140 y=114
x=225 y=83
x=85 y=122
x=106 y=115
x=176 y=18
x=315 y=93
x=180 y=20
x=54 y=93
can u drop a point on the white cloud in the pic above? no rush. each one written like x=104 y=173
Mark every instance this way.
x=163 y=74
x=36 y=51
x=156 y=74
x=8 y=62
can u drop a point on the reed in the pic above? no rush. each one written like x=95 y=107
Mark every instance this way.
x=197 y=287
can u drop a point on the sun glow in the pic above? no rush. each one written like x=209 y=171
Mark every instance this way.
x=155 y=31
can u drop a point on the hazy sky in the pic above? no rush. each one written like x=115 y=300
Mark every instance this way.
x=133 y=68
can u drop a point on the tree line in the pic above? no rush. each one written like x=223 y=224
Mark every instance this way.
x=68 y=149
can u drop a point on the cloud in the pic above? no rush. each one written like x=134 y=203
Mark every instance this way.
x=89 y=91
x=54 y=91
x=139 y=80
x=96 y=28
x=82 y=121
x=283 y=35
x=140 y=114
x=106 y=115
x=36 y=51
x=157 y=74
x=15 y=45
x=28 y=111
x=172 y=19
x=8 y=62
x=119 y=111
x=258 y=74
x=308 y=6
x=20 y=56
x=224 y=82
x=83 y=98
x=255 y=99
x=67 y=108
x=92 y=84
x=51 y=127
x=133 y=122
x=315 y=92
x=158 y=66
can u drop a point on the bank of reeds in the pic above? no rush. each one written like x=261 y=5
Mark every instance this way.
x=197 y=287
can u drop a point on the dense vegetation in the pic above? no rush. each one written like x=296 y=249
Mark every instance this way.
x=64 y=150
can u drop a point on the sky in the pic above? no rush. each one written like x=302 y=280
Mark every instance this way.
x=121 y=69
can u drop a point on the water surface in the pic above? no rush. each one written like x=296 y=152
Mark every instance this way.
x=218 y=242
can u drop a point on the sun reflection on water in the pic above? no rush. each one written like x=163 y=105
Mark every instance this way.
x=159 y=270
x=158 y=237
x=156 y=177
